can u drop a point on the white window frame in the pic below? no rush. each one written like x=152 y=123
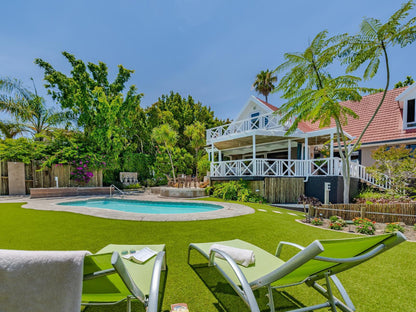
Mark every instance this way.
x=405 y=123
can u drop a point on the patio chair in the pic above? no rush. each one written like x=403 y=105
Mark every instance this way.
x=110 y=279
x=322 y=259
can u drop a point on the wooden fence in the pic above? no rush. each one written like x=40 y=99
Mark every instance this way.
x=383 y=213
x=36 y=177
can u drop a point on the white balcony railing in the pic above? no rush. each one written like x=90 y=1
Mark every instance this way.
x=263 y=122
x=293 y=168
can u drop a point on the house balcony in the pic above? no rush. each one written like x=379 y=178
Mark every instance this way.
x=244 y=168
x=258 y=124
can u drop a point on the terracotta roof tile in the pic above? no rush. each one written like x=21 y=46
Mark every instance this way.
x=272 y=107
x=386 y=126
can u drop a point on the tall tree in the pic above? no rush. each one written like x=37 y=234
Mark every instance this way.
x=314 y=95
x=264 y=83
x=196 y=134
x=167 y=137
x=103 y=112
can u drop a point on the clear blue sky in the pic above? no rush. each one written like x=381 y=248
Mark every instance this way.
x=209 y=49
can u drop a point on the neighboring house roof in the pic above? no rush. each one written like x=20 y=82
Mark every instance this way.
x=386 y=126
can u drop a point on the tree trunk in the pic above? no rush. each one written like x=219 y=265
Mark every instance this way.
x=346 y=178
x=173 y=167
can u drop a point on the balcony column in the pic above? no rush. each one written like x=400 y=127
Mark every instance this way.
x=331 y=155
x=254 y=156
x=289 y=149
x=212 y=152
x=219 y=155
x=307 y=167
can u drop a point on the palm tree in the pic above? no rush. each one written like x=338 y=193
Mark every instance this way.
x=10 y=129
x=28 y=108
x=264 y=83
x=314 y=95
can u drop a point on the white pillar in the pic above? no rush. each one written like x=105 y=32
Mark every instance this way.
x=306 y=149
x=254 y=155
x=307 y=167
x=219 y=156
x=289 y=149
x=331 y=150
x=212 y=152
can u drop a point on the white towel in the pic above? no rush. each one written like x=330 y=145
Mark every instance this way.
x=39 y=281
x=244 y=257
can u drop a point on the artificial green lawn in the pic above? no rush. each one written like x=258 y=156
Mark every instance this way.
x=385 y=283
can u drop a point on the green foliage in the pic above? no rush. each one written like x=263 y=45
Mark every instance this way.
x=316 y=221
x=264 y=82
x=21 y=150
x=393 y=227
x=203 y=166
x=101 y=110
x=399 y=163
x=234 y=190
x=337 y=223
x=408 y=82
x=28 y=110
x=366 y=227
x=174 y=160
x=138 y=162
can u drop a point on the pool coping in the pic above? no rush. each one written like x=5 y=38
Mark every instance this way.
x=51 y=204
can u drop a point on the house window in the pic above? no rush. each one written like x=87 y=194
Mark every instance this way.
x=411 y=114
x=255 y=120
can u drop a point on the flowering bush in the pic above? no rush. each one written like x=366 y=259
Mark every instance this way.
x=393 y=227
x=316 y=221
x=81 y=173
x=337 y=225
x=366 y=227
x=359 y=220
x=339 y=220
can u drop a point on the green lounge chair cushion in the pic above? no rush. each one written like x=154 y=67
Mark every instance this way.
x=265 y=262
x=111 y=288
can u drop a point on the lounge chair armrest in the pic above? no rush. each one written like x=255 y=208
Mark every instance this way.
x=246 y=293
x=98 y=274
x=363 y=257
x=160 y=264
x=281 y=244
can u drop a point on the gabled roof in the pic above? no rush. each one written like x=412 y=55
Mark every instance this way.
x=302 y=126
x=386 y=126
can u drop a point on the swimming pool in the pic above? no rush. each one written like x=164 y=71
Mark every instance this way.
x=149 y=207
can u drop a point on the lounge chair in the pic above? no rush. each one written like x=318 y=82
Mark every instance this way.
x=109 y=279
x=322 y=259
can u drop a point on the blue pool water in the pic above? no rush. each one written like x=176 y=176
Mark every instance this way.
x=138 y=206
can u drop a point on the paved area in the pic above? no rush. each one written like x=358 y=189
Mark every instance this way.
x=228 y=209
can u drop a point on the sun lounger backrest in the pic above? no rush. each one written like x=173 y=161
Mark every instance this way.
x=106 y=283
x=340 y=255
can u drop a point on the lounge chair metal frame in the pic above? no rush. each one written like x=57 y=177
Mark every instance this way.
x=151 y=301
x=311 y=252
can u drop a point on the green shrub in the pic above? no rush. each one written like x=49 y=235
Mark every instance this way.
x=133 y=186
x=336 y=225
x=393 y=227
x=316 y=221
x=366 y=227
x=234 y=190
